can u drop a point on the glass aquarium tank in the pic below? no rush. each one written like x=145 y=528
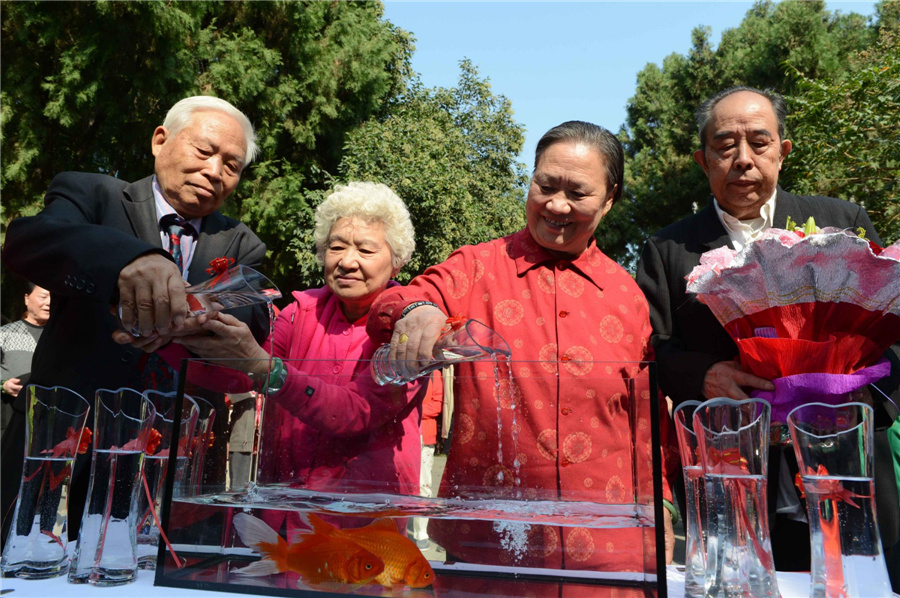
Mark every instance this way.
x=546 y=481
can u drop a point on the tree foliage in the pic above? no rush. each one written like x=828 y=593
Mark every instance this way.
x=85 y=83
x=772 y=43
x=450 y=154
x=850 y=145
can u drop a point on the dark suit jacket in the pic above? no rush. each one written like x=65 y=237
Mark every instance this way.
x=90 y=228
x=688 y=339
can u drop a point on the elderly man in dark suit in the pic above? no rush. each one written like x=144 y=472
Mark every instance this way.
x=101 y=244
x=742 y=149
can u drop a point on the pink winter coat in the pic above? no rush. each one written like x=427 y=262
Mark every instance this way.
x=331 y=427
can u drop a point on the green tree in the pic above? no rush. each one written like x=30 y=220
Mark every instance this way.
x=450 y=153
x=662 y=182
x=85 y=83
x=847 y=131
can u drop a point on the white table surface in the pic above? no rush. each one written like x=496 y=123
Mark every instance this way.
x=791 y=585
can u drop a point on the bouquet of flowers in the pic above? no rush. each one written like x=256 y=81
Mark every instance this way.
x=811 y=309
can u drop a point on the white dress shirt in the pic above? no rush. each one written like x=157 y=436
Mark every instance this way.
x=742 y=232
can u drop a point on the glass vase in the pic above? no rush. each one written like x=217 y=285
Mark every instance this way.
x=733 y=443
x=106 y=554
x=834 y=445
x=38 y=537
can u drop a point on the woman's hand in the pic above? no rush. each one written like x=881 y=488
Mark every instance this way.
x=414 y=337
x=223 y=336
x=12 y=386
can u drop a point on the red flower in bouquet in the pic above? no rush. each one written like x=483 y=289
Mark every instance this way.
x=812 y=310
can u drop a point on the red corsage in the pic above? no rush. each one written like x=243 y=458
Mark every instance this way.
x=219 y=265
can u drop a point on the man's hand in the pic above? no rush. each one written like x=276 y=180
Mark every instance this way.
x=418 y=331
x=725 y=379
x=12 y=386
x=669 y=534
x=155 y=340
x=152 y=289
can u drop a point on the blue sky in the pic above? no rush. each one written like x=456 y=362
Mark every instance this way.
x=559 y=61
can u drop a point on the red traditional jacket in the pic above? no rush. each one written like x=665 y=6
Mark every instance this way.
x=578 y=330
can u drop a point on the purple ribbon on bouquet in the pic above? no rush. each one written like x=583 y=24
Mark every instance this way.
x=831 y=389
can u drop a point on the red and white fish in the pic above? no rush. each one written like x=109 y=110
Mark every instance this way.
x=404 y=563
x=317 y=558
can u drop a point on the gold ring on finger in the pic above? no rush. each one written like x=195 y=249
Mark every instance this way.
x=403 y=338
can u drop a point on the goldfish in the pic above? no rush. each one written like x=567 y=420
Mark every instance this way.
x=317 y=558
x=404 y=563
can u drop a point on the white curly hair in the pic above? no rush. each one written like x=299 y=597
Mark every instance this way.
x=181 y=114
x=371 y=202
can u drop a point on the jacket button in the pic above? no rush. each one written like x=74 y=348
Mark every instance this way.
x=564 y=462
x=336 y=369
x=80 y=284
x=564 y=359
x=563 y=314
x=127 y=357
x=89 y=288
x=565 y=411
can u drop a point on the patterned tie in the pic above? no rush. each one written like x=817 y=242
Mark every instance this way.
x=176 y=228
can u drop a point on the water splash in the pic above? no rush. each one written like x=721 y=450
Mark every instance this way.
x=513 y=537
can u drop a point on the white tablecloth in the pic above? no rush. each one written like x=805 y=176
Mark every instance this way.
x=792 y=585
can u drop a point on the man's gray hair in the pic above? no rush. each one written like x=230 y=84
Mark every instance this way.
x=703 y=115
x=595 y=137
x=180 y=115
x=371 y=202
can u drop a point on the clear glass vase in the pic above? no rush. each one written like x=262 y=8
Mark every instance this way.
x=733 y=442
x=106 y=554
x=695 y=501
x=37 y=540
x=469 y=342
x=156 y=464
x=237 y=286
x=834 y=445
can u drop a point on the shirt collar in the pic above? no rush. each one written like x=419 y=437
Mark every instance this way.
x=524 y=251
x=163 y=208
x=742 y=232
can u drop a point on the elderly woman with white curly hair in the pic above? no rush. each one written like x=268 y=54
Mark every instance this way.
x=332 y=427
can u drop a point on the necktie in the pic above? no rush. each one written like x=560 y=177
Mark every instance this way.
x=176 y=228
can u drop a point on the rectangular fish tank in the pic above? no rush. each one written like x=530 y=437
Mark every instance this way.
x=545 y=482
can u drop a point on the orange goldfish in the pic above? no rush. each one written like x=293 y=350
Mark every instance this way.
x=403 y=561
x=318 y=559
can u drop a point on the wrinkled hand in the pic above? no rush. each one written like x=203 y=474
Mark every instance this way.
x=222 y=336
x=422 y=327
x=12 y=386
x=151 y=288
x=155 y=340
x=725 y=379
x=669 y=534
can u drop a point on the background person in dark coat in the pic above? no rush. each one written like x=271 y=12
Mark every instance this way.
x=100 y=242
x=742 y=152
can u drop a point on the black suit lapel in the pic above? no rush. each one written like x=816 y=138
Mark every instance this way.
x=141 y=210
x=709 y=230
x=214 y=241
x=786 y=205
